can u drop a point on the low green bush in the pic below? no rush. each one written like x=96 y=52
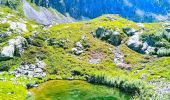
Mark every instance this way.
x=163 y=52
x=136 y=88
x=4 y=26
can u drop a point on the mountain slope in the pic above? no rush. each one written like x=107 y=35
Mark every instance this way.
x=132 y=56
x=136 y=10
x=43 y=15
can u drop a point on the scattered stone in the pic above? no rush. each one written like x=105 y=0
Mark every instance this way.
x=31 y=70
x=143 y=76
x=79 y=45
x=94 y=61
x=78 y=49
x=162 y=88
x=31 y=85
x=119 y=61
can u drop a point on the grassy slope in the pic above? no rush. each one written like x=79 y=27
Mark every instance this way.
x=61 y=63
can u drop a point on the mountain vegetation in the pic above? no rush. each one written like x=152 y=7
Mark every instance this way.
x=107 y=50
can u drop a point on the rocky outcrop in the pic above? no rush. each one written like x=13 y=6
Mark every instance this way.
x=78 y=49
x=129 y=31
x=109 y=35
x=18 y=26
x=134 y=42
x=31 y=70
x=10 y=3
x=15 y=47
x=44 y=16
x=80 y=46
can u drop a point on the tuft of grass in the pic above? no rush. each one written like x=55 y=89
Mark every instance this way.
x=136 y=88
x=12 y=91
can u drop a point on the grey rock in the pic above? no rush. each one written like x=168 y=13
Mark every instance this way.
x=40 y=64
x=32 y=66
x=150 y=50
x=44 y=16
x=115 y=38
x=78 y=49
x=7 y=51
x=129 y=31
x=109 y=35
x=15 y=48
x=38 y=70
x=78 y=44
x=143 y=76
x=94 y=61
x=30 y=70
x=135 y=43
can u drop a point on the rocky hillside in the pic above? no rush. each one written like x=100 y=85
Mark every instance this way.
x=133 y=57
x=136 y=10
x=41 y=15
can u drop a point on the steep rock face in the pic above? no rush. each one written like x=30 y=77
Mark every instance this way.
x=43 y=15
x=10 y=3
x=137 y=10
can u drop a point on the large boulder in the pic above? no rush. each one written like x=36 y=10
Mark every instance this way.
x=19 y=43
x=15 y=47
x=115 y=38
x=99 y=32
x=8 y=51
x=129 y=31
x=109 y=35
x=134 y=43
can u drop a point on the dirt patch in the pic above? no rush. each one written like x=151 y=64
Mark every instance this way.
x=96 y=56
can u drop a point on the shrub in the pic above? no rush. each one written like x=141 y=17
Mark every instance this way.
x=163 y=52
x=166 y=35
x=132 y=87
x=4 y=26
x=4 y=68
